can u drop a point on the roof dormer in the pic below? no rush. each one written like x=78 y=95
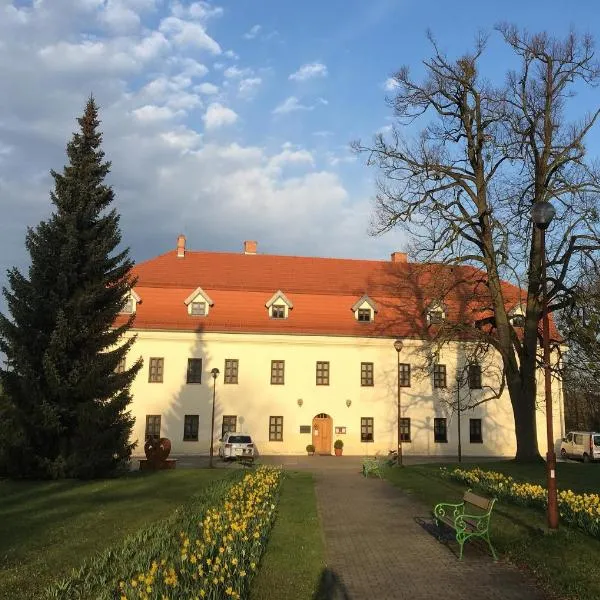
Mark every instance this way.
x=517 y=316
x=131 y=301
x=198 y=303
x=279 y=305
x=436 y=313
x=364 y=310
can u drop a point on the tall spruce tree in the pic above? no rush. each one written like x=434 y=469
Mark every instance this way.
x=65 y=408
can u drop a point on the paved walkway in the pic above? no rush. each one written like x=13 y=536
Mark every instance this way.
x=378 y=548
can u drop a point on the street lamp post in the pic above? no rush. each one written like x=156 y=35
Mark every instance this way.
x=398 y=347
x=458 y=408
x=215 y=373
x=542 y=214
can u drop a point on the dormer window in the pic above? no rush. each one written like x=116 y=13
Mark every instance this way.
x=131 y=302
x=198 y=309
x=518 y=321
x=364 y=310
x=278 y=311
x=198 y=303
x=279 y=306
x=436 y=314
x=364 y=315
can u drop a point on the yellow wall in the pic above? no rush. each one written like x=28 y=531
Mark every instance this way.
x=254 y=399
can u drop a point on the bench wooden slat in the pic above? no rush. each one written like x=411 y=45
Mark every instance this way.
x=478 y=501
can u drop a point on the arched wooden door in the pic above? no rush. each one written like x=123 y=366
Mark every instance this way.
x=322 y=433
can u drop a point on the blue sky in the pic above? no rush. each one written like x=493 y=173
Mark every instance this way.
x=228 y=121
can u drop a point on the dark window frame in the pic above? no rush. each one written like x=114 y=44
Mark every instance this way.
x=405 y=434
x=475 y=378
x=440 y=379
x=227 y=422
x=276 y=428
x=121 y=365
x=278 y=311
x=198 y=303
x=194 y=376
x=436 y=316
x=191 y=425
x=151 y=421
x=404 y=374
x=128 y=307
x=440 y=430
x=367 y=430
x=232 y=370
x=278 y=372
x=156 y=369
x=367 y=374
x=322 y=372
x=476 y=431
x=364 y=315
x=518 y=321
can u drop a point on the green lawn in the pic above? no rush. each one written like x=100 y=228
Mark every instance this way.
x=565 y=563
x=48 y=528
x=294 y=558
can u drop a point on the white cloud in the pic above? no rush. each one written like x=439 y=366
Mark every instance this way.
x=309 y=71
x=88 y=56
x=292 y=104
x=249 y=86
x=231 y=54
x=118 y=17
x=188 y=33
x=253 y=32
x=217 y=115
x=390 y=85
x=289 y=156
x=207 y=88
x=153 y=113
x=235 y=72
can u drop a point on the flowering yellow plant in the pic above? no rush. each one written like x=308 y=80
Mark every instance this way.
x=582 y=510
x=218 y=557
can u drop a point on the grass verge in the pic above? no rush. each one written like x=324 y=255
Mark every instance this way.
x=295 y=558
x=49 y=528
x=565 y=563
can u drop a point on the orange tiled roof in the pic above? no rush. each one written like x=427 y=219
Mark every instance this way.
x=322 y=290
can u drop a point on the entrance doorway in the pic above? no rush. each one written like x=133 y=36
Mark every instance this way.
x=322 y=433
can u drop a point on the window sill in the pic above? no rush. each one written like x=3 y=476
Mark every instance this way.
x=155 y=382
x=230 y=383
x=193 y=383
x=440 y=441
x=190 y=439
x=367 y=441
x=476 y=441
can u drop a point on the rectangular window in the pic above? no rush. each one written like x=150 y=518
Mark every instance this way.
x=277 y=372
x=276 y=429
x=120 y=368
x=322 y=373
x=436 y=317
x=157 y=367
x=128 y=306
x=194 y=370
x=475 y=377
x=405 y=430
x=229 y=424
x=364 y=315
x=475 y=432
x=404 y=375
x=366 y=429
x=190 y=428
x=231 y=370
x=152 y=427
x=366 y=374
x=440 y=432
x=439 y=376
x=198 y=309
x=277 y=311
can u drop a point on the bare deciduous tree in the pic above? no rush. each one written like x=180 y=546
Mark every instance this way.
x=465 y=185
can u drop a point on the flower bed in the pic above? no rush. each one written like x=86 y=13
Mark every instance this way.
x=582 y=510
x=219 y=553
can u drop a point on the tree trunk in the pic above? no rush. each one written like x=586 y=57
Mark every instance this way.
x=522 y=397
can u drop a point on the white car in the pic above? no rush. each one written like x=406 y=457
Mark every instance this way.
x=236 y=445
x=584 y=445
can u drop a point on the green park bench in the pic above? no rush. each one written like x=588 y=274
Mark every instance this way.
x=470 y=518
x=371 y=465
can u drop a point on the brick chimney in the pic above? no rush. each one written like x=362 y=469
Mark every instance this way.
x=250 y=247
x=399 y=257
x=181 y=246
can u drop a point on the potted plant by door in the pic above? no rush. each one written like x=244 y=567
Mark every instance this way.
x=338 y=445
x=310 y=449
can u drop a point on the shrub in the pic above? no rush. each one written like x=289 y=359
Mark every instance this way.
x=338 y=444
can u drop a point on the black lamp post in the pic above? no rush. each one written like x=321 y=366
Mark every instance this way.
x=215 y=373
x=458 y=408
x=542 y=214
x=398 y=347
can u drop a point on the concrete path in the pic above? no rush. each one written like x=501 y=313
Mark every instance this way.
x=378 y=547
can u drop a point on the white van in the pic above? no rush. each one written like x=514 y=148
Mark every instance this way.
x=584 y=445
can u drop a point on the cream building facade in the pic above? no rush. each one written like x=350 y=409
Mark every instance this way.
x=298 y=367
